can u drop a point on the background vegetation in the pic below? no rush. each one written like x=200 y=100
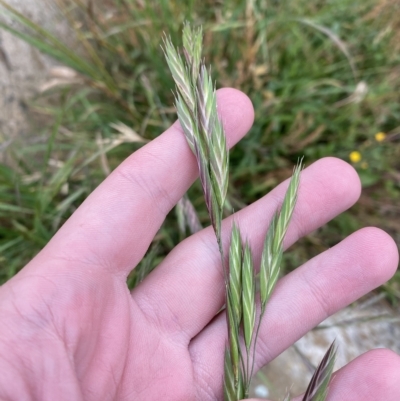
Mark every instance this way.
x=324 y=78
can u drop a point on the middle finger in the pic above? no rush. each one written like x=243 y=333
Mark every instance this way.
x=187 y=290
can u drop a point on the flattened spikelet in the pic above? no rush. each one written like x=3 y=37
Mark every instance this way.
x=233 y=329
x=187 y=216
x=317 y=390
x=267 y=263
x=197 y=112
x=192 y=44
x=229 y=380
x=248 y=296
x=273 y=244
x=288 y=205
x=235 y=272
x=180 y=73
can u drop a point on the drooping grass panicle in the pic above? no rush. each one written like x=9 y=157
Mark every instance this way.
x=317 y=389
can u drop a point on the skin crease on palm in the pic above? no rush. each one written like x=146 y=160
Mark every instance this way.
x=71 y=330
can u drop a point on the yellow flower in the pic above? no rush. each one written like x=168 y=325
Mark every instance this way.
x=364 y=165
x=380 y=136
x=355 y=156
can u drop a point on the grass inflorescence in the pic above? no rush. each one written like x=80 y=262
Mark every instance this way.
x=197 y=112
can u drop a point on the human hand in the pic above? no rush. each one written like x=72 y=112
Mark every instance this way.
x=71 y=330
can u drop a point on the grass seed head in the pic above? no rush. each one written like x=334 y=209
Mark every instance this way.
x=188 y=216
x=287 y=209
x=235 y=272
x=233 y=329
x=229 y=379
x=180 y=73
x=248 y=296
x=267 y=262
x=192 y=45
x=317 y=389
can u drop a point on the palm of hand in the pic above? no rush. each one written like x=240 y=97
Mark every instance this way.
x=71 y=330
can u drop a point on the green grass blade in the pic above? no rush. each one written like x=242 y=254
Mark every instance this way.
x=5 y=207
x=48 y=43
x=10 y=244
x=42 y=46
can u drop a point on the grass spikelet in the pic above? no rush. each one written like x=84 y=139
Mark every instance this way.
x=233 y=330
x=187 y=122
x=267 y=263
x=192 y=45
x=234 y=301
x=180 y=73
x=187 y=216
x=273 y=244
x=248 y=297
x=229 y=379
x=240 y=390
x=213 y=134
x=317 y=389
x=197 y=113
x=235 y=272
x=206 y=103
x=287 y=209
x=219 y=161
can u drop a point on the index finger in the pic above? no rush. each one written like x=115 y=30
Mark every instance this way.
x=116 y=224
